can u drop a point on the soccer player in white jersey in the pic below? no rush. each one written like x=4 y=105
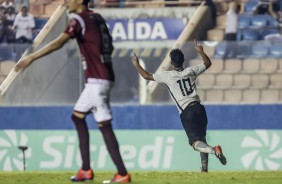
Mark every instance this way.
x=182 y=88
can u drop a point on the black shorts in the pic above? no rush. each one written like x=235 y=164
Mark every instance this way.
x=194 y=121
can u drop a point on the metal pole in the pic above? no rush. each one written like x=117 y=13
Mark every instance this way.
x=23 y=148
x=23 y=161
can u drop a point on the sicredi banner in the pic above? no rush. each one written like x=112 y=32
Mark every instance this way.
x=140 y=149
x=150 y=137
x=146 y=29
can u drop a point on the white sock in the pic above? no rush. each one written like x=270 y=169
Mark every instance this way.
x=203 y=147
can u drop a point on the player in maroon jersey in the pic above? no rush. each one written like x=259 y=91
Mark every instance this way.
x=95 y=43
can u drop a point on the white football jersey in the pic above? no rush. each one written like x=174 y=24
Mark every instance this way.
x=181 y=84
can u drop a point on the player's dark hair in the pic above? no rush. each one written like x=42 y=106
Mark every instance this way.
x=85 y=2
x=177 y=57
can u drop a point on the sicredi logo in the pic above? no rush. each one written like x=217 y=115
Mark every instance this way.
x=11 y=158
x=264 y=151
x=62 y=151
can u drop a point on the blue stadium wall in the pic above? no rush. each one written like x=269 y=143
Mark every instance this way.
x=150 y=137
x=220 y=117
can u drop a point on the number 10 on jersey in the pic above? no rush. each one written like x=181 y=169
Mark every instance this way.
x=183 y=83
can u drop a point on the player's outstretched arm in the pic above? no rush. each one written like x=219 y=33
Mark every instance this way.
x=146 y=75
x=49 y=48
x=200 y=50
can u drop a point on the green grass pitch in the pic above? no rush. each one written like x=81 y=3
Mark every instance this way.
x=244 y=177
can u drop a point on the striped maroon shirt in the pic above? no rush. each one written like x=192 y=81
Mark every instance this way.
x=95 y=43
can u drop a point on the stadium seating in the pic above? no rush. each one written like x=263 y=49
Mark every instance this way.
x=266 y=32
x=275 y=81
x=279 y=66
x=268 y=65
x=232 y=66
x=269 y=96
x=214 y=96
x=259 y=21
x=250 y=5
x=221 y=7
x=276 y=50
x=44 y=2
x=256 y=27
x=250 y=66
x=252 y=81
x=232 y=96
x=259 y=81
x=221 y=21
x=260 y=50
x=244 y=22
x=201 y=94
x=215 y=35
x=217 y=67
x=209 y=50
x=251 y=96
x=223 y=81
x=40 y=22
x=206 y=81
x=244 y=49
x=220 y=50
x=6 y=67
x=241 y=81
x=37 y=10
x=250 y=34
x=49 y=9
x=5 y=52
x=194 y=61
x=272 y=22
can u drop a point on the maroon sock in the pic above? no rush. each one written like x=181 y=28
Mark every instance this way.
x=113 y=147
x=83 y=137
